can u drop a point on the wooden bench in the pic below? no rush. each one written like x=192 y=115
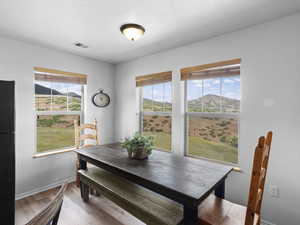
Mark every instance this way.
x=147 y=206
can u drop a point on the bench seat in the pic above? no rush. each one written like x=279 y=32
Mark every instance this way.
x=147 y=206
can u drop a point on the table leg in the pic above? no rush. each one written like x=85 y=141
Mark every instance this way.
x=190 y=215
x=220 y=190
x=85 y=191
x=82 y=164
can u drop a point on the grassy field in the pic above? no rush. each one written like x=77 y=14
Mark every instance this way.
x=198 y=147
x=212 y=150
x=50 y=138
x=155 y=106
x=161 y=140
x=59 y=103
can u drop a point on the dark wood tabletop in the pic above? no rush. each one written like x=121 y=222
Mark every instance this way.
x=185 y=180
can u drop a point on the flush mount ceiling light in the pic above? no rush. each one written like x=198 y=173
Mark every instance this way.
x=132 y=31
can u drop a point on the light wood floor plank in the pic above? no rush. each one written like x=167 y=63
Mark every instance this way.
x=99 y=211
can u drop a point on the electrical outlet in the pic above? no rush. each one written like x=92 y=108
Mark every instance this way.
x=274 y=191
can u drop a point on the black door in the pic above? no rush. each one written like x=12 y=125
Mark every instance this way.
x=7 y=153
x=7 y=179
x=7 y=104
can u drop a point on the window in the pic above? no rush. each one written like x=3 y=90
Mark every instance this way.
x=156 y=108
x=58 y=102
x=212 y=112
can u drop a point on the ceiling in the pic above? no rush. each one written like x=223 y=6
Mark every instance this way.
x=169 y=23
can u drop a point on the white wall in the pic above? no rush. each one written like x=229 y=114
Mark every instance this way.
x=17 y=60
x=270 y=80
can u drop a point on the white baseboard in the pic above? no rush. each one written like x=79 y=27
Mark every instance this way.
x=45 y=188
x=264 y=222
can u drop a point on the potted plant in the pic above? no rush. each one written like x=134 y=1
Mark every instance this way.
x=139 y=146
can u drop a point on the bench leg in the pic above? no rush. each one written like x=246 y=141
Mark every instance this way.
x=85 y=191
x=94 y=192
x=97 y=194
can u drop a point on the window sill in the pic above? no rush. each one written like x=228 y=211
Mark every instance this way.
x=235 y=167
x=45 y=154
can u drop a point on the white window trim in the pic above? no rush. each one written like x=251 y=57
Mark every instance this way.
x=53 y=113
x=54 y=152
x=37 y=154
x=211 y=115
x=179 y=119
x=141 y=113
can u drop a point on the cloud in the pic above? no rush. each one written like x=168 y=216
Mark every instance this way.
x=234 y=95
x=215 y=81
x=229 y=81
x=212 y=84
x=214 y=89
x=157 y=95
x=197 y=83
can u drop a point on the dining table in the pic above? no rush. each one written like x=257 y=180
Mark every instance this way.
x=185 y=180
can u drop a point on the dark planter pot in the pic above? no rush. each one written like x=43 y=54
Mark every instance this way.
x=140 y=154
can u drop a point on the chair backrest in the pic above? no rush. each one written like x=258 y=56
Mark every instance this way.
x=258 y=178
x=50 y=214
x=81 y=136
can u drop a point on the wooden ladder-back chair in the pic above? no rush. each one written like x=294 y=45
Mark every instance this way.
x=50 y=214
x=81 y=137
x=216 y=211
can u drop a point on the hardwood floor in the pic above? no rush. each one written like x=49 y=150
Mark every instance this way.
x=99 y=211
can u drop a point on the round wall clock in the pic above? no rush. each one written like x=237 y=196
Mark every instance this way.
x=101 y=99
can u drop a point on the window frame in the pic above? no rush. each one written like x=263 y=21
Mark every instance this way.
x=210 y=115
x=141 y=113
x=37 y=113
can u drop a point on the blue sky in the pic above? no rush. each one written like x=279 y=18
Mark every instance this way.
x=196 y=89
x=160 y=92
x=230 y=87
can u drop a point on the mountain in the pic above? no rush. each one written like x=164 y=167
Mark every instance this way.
x=211 y=103
x=42 y=90
x=157 y=105
x=73 y=94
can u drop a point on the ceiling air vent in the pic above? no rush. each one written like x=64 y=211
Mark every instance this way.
x=80 y=45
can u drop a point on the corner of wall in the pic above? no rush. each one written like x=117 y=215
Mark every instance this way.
x=114 y=101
